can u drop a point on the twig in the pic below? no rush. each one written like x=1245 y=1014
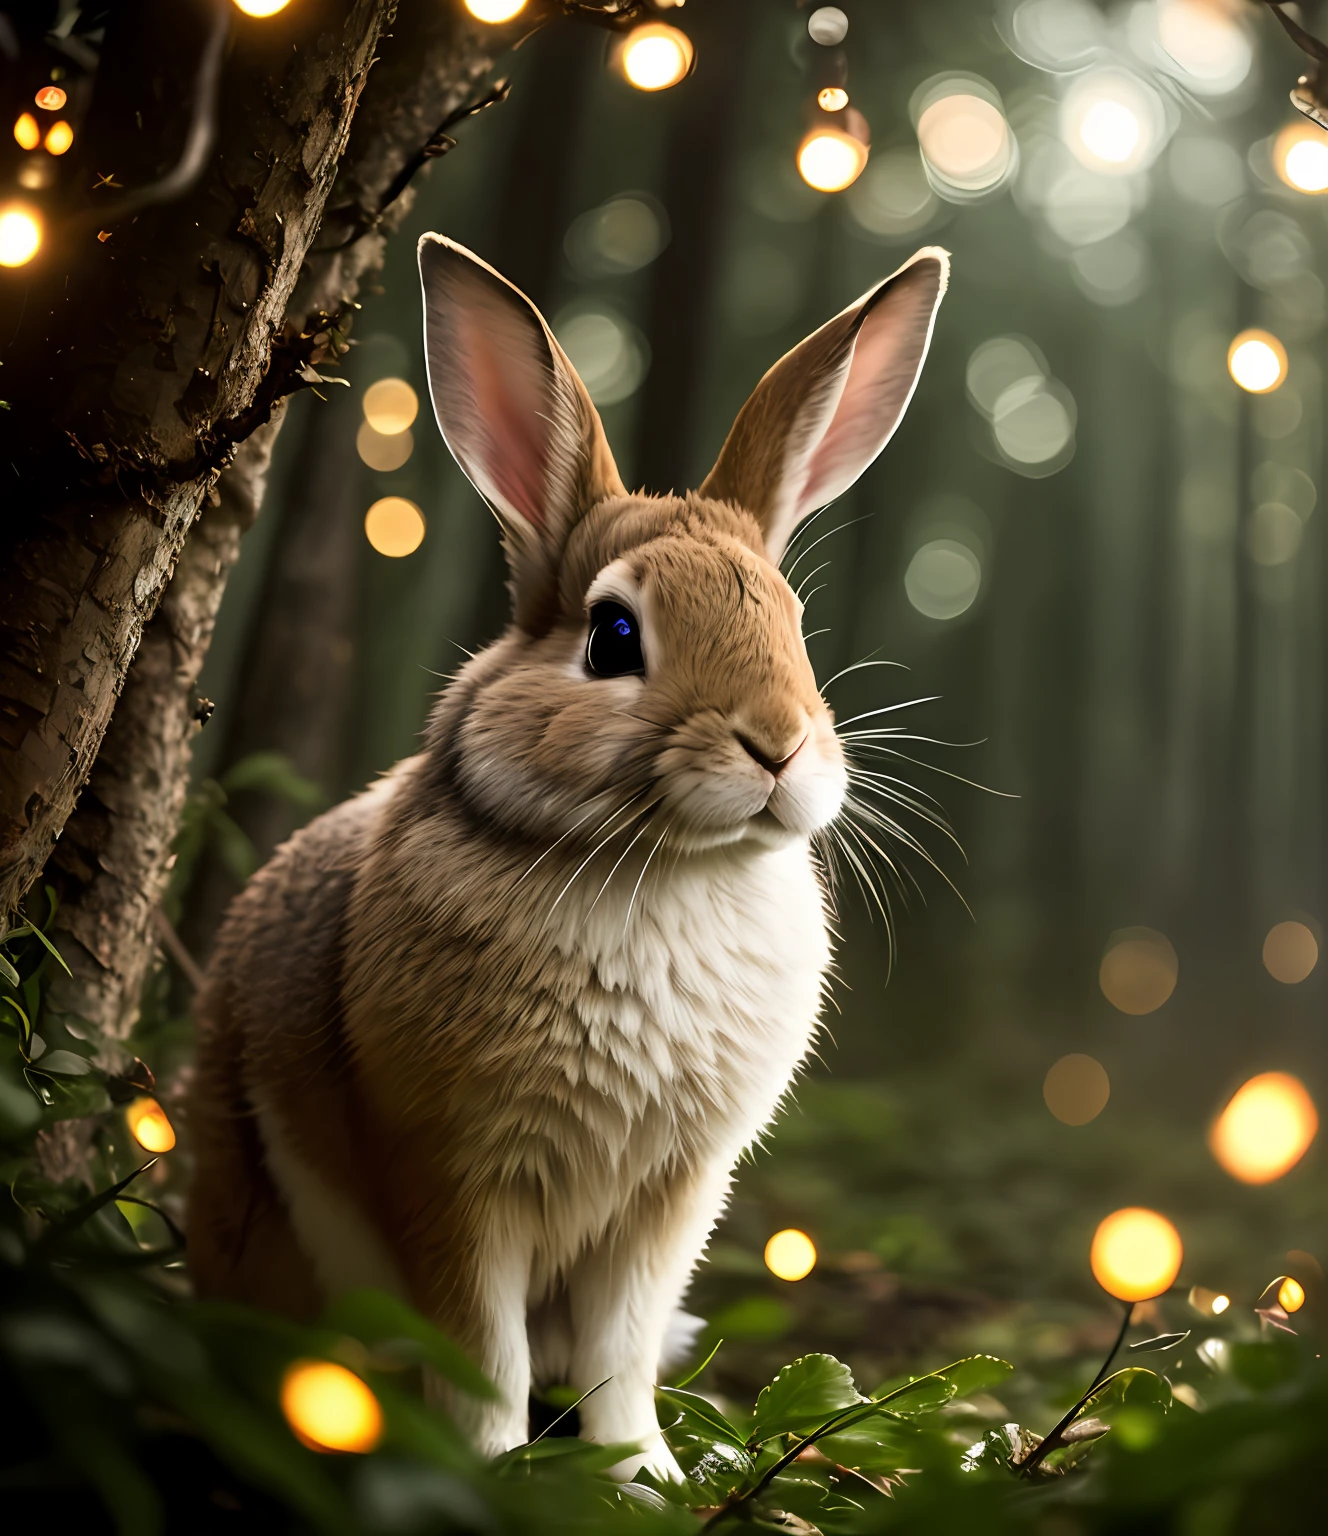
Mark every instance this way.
x=1045 y=1447
x=1310 y=96
x=199 y=138
x=172 y=943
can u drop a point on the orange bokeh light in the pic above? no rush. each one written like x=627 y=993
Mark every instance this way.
x=1136 y=1254
x=1265 y=1129
x=330 y=1408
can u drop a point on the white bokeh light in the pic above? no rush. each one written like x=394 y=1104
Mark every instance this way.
x=1112 y=121
x=1205 y=44
x=943 y=579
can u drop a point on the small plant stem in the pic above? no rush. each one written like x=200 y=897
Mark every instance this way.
x=1045 y=1447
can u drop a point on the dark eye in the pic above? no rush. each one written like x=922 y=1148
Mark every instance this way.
x=614 y=647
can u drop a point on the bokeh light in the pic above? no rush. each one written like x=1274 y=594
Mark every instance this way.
x=1209 y=46
x=1290 y=952
x=1112 y=121
x=832 y=98
x=943 y=579
x=828 y=26
x=893 y=196
x=390 y=406
x=830 y=159
x=965 y=139
x=656 y=56
x=1291 y=1295
x=1266 y=1128
x=495 y=11
x=261 y=8
x=1136 y=1254
x=59 y=137
x=330 y=1408
x=383 y=451
x=394 y=527
x=50 y=98
x=1033 y=422
x=1110 y=130
x=1300 y=157
x=1273 y=534
x=607 y=351
x=622 y=235
x=790 y=1255
x=20 y=236
x=1257 y=361
x=1138 y=971
x=150 y=1126
x=1076 y=1089
x=27 y=135
x=1208 y=1303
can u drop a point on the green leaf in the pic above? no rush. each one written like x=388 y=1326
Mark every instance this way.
x=976 y=1373
x=702 y=1419
x=374 y=1317
x=915 y=1395
x=877 y=1444
x=274 y=773
x=691 y=1375
x=802 y=1397
x=1162 y=1341
x=24 y=1024
x=64 y=1064
x=717 y=1469
x=8 y=973
x=235 y=848
x=1134 y=1387
x=1264 y=1365
x=50 y=948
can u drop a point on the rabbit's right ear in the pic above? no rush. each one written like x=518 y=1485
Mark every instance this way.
x=514 y=413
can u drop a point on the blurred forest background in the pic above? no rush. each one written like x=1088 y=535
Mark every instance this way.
x=1099 y=559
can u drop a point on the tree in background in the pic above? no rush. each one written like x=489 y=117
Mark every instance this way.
x=231 y=184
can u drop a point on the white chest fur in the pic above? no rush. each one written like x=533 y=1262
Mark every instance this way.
x=676 y=1032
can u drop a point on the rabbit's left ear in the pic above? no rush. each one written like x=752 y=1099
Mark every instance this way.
x=514 y=413
x=827 y=408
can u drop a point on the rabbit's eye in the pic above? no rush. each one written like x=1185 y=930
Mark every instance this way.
x=614 y=647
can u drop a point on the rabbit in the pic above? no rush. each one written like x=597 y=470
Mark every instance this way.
x=492 y=1035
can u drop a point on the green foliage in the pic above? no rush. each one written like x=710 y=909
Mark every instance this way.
x=206 y=822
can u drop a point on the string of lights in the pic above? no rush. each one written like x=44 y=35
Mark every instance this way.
x=48 y=81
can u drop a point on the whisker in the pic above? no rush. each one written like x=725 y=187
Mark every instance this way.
x=912 y=842
x=603 y=843
x=918 y=762
x=811 y=576
x=886 y=709
x=920 y=811
x=859 y=665
x=581 y=822
x=632 y=903
x=807 y=548
x=645 y=822
x=858 y=771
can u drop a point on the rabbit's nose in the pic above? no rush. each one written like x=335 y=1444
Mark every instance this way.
x=772 y=765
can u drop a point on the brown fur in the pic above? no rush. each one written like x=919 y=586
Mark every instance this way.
x=420 y=1058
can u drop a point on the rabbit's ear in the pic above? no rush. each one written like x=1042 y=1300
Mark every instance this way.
x=828 y=407
x=514 y=413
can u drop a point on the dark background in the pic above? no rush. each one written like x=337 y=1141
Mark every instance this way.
x=1146 y=696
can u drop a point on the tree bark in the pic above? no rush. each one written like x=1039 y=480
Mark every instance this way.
x=85 y=571
x=141 y=361
x=111 y=866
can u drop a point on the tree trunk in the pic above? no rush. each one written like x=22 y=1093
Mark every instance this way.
x=187 y=326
